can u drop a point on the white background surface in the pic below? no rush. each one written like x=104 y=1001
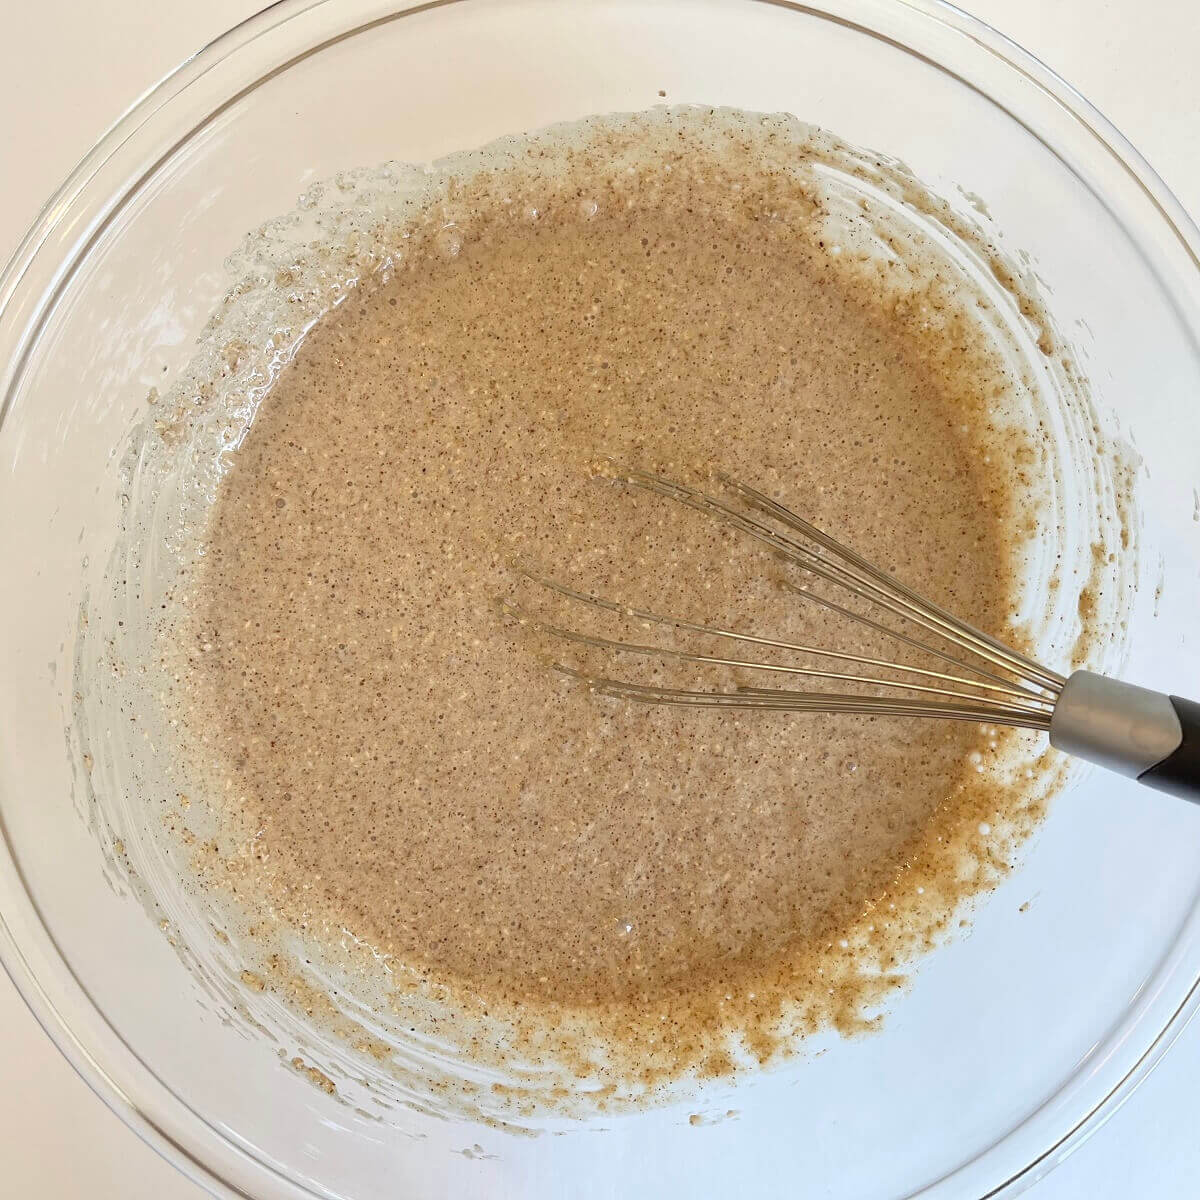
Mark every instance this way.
x=68 y=69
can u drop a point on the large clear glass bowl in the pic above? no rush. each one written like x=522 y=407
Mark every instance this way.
x=1015 y=1042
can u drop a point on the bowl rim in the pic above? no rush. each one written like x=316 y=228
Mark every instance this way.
x=126 y=1099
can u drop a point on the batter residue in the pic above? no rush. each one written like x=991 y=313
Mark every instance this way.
x=399 y=758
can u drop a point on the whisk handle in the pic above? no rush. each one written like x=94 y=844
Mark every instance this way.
x=1179 y=772
x=1147 y=735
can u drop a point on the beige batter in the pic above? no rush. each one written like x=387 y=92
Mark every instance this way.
x=405 y=762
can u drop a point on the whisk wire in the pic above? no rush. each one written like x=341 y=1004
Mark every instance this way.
x=620 y=647
x=859 y=577
x=956 y=627
x=1011 y=689
x=1004 y=684
x=641 y=614
x=815 y=702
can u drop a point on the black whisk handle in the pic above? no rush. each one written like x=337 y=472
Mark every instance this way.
x=1179 y=772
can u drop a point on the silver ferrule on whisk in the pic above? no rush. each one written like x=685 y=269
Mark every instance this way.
x=1119 y=726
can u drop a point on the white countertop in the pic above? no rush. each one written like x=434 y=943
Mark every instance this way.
x=67 y=69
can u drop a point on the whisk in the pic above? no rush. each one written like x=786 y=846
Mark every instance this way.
x=970 y=676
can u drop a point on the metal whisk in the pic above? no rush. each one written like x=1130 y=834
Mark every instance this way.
x=1140 y=733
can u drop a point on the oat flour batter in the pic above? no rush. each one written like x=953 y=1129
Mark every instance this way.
x=409 y=767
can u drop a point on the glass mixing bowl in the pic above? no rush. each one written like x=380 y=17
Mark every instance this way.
x=1014 y=1042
